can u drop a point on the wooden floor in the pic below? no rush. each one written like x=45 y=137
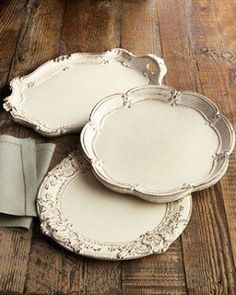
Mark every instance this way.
x=197 y=39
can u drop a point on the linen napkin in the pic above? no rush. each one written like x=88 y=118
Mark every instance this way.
x=23 y=164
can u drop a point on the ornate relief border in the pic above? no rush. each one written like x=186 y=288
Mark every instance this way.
x=57 y=226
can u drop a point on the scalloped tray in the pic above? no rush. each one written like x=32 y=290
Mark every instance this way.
x=157 y=143
x=58 y=97
x=85 y=217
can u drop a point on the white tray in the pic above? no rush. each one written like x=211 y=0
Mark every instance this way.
x=58 y=97
x=157 y=143
x=85 y=217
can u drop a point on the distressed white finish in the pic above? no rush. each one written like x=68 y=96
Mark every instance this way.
x=58 y=97
x=87 y=218
x=157 y=143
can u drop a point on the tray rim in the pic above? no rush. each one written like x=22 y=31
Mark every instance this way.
x=55 y=225
x=93 y=127
x=12 y=102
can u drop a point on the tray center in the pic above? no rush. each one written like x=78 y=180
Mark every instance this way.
x=66 y=97
x=156 y=145
x=104 y=215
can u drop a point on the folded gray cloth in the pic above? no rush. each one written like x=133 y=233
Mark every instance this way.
x=44 y=152
x=23 y=164
x=15 y=221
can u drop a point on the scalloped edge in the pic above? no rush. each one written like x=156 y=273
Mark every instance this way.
x=12 y=102
x=109 y=104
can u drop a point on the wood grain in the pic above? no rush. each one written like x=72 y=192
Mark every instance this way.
x=207 y=232
x=32 y=48
x=215 y=47
x=157 y=274
x=139 y=27
x=14 y=256
x=91 y=26
x=40 y=36
x=12 y=15
x=14 y=245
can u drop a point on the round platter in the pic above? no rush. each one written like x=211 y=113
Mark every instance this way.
x=157 y=143
x=85 y=217
x=58 y=96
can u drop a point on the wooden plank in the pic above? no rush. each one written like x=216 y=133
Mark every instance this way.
x=14 y=252
x=91 y=26
x=140 y=27
x=29 y=51
x=12 y=14
x=206 y=246
x=39 y=39
x=51 y=269
x=178 y=56
x=14 y=255
x=215 y=46
x=158 y=274
x=87 y=26
x=207 y=251
x=102 y=277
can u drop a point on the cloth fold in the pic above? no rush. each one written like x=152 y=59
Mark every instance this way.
x=23 y=165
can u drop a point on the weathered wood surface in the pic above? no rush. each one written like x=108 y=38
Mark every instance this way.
x=197 y=39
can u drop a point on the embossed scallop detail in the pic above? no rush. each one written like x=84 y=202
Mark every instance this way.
x=136 y=228
x=58 y=96
x=158 y=143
